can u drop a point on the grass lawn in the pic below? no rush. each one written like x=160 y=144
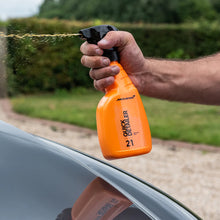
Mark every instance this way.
x=168 y=120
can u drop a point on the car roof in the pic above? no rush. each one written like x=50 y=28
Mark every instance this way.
x=40 y=178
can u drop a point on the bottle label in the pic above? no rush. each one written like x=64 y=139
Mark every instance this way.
x=130 y=121
x=125 y=125
x=126 y=129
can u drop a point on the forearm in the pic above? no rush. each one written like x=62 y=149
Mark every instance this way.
x=195 y=81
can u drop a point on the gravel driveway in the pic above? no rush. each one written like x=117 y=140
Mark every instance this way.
x=189 y=173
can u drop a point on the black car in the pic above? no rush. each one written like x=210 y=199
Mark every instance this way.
x=40 y=179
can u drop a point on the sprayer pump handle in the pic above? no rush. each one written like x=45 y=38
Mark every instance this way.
x=94 y=34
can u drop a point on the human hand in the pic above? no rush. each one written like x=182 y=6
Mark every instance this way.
x=131 y=58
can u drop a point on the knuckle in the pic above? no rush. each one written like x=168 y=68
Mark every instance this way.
x=129 y=35
x=82 y=47
x=126 y=37
x=97 y=73
x=92 y=74
x=101 y=73
x=97 y=62
x=97 y=86
x=88 y=49
x=83 y=60
x=109 y=71
x=101 y=84
x=92 y=61
x=106 y=72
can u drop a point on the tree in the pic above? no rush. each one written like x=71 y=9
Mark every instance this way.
x=152 y=11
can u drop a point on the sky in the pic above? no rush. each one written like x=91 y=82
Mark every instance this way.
x=18 y=8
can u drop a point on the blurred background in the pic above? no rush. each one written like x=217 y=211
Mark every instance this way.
x=43 y=78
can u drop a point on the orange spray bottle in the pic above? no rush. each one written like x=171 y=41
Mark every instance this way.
x=122 y=124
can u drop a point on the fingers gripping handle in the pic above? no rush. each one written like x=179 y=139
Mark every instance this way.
x=94 y=34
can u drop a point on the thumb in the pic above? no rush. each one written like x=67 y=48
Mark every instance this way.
x=115 y=39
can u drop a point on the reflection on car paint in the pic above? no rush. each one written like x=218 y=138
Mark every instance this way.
x=99 y=201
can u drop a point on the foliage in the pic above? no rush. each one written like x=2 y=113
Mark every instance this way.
x=199 y=123
x=216 y=5
x=45 y=64
x=151 y=11
x=48 y=64
x=3 y=23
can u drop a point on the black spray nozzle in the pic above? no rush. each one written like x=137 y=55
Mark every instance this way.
x=94 y=34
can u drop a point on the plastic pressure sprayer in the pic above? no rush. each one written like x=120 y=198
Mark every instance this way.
x=122 y=124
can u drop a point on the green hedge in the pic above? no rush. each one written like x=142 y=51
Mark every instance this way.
x=44 y=64
x=41 y=65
